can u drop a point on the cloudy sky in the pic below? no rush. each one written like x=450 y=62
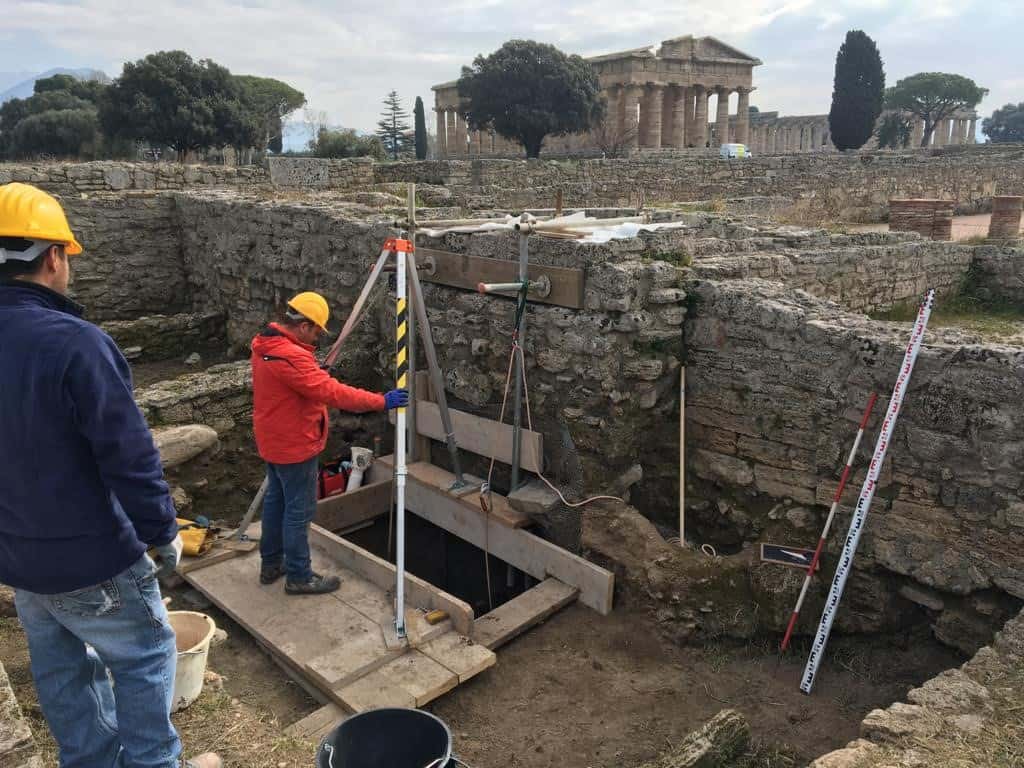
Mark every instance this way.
x=346 y=55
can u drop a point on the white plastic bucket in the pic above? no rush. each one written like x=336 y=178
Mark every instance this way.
x=192 y=632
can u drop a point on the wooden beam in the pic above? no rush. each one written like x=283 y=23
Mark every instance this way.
x=519 y=548
x=377 y=571
x=459 y=270
x=432 y=474
x=317 y=723
x=519 y=614
x=480 y=435
x=346 y=510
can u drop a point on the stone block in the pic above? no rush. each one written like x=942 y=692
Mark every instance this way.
x=534 y=499
x=719 y=468
x=178 y=445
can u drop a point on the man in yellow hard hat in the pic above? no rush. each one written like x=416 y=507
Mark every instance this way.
x=82 y=498
x=291 y=394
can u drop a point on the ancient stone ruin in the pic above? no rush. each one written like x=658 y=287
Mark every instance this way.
x=784 y=330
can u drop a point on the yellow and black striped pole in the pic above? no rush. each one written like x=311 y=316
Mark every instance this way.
x=400 y=248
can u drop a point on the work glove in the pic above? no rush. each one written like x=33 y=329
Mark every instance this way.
x=168 y=555
x=396 y=398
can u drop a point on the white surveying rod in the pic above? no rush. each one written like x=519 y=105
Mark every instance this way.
x=867 y=493
x=401 y=374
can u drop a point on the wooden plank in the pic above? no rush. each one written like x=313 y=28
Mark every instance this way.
x=520 y=548
x=350 y=509
x=480 y=435
x=459 y=654
x=419 y=593
x=459 y=270
x=318 y=723
x=501 y=510
x=326 y=623
x=519 y=614
x=212 y=557
x=411 y=677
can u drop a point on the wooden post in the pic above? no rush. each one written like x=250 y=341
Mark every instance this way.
x=682 y=457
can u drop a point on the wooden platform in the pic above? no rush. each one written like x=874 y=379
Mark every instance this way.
x=344 y=644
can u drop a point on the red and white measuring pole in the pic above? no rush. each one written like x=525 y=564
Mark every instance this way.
x=867 y=493
x=828 y=522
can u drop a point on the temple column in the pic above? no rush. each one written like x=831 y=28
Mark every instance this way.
x=630 y=124
x=700 y=116
x=722 y=117
x=451 y=148
x=613 y=116
x=972 y=131
x=743 y=117
x=442 y=133
x=654 y=105
x=679 y=121
x=668 y=115
x=916 y=132
x=460 y=136
x=941 y=133
x=814 y=138
x=962 y=135
x=691 y=116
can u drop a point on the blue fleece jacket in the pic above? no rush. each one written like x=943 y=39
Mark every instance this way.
x=82 y=493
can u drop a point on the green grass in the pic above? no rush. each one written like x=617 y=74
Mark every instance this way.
x=988 y=318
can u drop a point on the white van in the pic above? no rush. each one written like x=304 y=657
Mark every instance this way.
x=730 y=151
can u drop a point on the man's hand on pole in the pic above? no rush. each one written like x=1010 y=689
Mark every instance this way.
x=396 y=398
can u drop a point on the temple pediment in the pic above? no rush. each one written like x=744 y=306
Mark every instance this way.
x=703 y=49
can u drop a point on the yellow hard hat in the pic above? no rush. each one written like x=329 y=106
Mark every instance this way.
x=30 y=213
x=313 y=307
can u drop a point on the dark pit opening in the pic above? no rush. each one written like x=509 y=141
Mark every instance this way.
x=446 y=561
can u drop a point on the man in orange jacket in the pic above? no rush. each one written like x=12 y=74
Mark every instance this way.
x=291 y=394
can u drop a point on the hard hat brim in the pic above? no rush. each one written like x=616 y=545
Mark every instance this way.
x=73 y=248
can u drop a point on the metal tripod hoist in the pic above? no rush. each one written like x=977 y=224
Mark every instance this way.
x=402 y=253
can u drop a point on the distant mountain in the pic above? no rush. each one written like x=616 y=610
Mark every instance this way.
x=25 y=87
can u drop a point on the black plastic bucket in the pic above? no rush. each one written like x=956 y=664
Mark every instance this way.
x=387 y=738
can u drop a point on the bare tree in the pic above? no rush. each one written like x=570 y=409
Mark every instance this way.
x=612 y=139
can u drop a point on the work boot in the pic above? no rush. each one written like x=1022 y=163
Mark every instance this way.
x=317 y=585
x=271 y=573
x=205 y=760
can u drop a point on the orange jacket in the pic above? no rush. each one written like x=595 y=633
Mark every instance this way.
x=291 y=393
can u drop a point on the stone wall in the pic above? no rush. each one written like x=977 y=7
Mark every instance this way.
x=864 y=272
x=164 y=337
x=247 y=257
x=117 y=176
x=965 y=716
x=932 y=219
x=596 y=374
x=132 y=263
x=997 y=274
x=848 y=187
x=777 y=382
x=320 y=173
x=1006 y=214
x=17 y=747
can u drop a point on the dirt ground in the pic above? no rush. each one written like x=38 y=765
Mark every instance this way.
x=580 y=691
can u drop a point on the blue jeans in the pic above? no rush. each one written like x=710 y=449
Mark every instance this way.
x=73 y=639
x=288 y=508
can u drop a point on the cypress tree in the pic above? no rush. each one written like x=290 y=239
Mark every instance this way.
x=858 y=92
x=420 y=122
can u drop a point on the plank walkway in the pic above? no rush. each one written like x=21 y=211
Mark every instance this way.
x=344 y=643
